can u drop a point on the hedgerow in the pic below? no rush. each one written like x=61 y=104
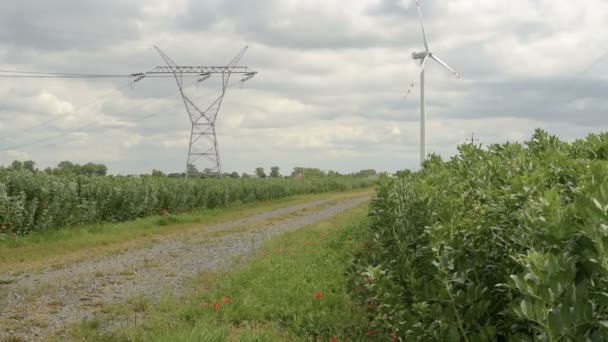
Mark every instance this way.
x=504 y=243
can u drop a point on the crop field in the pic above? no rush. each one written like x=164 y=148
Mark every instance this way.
x=38 y=202
x=505 y=243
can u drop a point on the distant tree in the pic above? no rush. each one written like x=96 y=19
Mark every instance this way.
x=208 y=173
x=65 y=165
x=29 y=165
x=245 y=175
x=176 y=175
x=274 y=172
x=90 y=169
x=365 y=173
x=102 y=170
x=307 y=172
x=234 y=175
x=259 y=171
x=157 y=173
x=17 y=165
x=192 y=171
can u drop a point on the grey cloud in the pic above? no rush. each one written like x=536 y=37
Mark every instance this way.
x=67 y=24
x=261 y=21
x=580 y=101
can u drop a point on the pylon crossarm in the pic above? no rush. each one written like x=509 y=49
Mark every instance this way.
x=203 y=121
x=198 y=70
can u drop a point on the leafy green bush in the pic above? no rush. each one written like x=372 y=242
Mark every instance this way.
x=506 y=243
x=33 y=202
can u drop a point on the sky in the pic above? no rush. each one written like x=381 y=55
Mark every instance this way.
x=330 y=87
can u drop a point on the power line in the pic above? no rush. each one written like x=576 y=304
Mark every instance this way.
x=27 y=146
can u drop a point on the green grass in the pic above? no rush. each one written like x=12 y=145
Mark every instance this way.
x=272 y=296
x=57 y=247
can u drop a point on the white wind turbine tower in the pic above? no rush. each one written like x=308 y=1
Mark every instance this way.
x=424 y=57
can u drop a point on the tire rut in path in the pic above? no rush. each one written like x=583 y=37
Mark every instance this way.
x=40 y=304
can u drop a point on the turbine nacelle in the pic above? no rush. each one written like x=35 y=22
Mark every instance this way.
x=424 y=57
x=420 y=55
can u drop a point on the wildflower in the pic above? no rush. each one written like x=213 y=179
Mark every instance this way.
x=334 y=230
x=226 y=300
x=204 y=305
x=362 y=245
x=370 y=333
x=14 y=233
x=370 y=306
x=333 y=339
x=216 y=306
x=322 y=234
x=261 y=253
x=393 y=336
x=350 y=237
x=319 y=295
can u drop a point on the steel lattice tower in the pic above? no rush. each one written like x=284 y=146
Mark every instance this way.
x=203 y=137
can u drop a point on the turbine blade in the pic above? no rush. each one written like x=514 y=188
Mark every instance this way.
x=438 y=60
x=422 y=66
x=426 y=43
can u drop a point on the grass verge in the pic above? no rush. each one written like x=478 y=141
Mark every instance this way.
x=59 y=247
x=293 y=290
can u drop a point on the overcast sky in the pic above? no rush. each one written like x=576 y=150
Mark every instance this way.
x=329 y=93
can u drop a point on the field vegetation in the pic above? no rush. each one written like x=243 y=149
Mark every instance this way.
x=504 y=243
x=40 y=201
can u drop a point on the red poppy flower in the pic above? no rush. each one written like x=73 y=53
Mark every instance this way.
x=321 y=234
x=370 y=306
x=14 y=233
x=319 y=294
x=226 y=300
x=333 y=339
x=350 y=237
x=393 y=336
x=363 y=245
x=216 y=306
x=370 y=333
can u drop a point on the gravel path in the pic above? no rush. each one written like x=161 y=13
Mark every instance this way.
x=40 y=304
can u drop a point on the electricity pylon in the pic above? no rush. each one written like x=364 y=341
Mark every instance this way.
x=203 y=137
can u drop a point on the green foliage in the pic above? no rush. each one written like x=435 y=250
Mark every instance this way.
x=259 y=172
x=34 y=202
x=274 y=172
x=307 y=172
x=506 y=243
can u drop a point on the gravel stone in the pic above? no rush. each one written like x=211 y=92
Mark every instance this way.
x=55 y=298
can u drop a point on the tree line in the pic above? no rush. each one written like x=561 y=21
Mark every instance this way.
x=94 y=169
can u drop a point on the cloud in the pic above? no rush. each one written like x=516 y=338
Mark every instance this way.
x=331 y=82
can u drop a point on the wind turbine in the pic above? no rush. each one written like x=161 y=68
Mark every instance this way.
x=424 y=58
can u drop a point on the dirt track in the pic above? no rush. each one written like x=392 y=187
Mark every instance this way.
x=42 y=304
